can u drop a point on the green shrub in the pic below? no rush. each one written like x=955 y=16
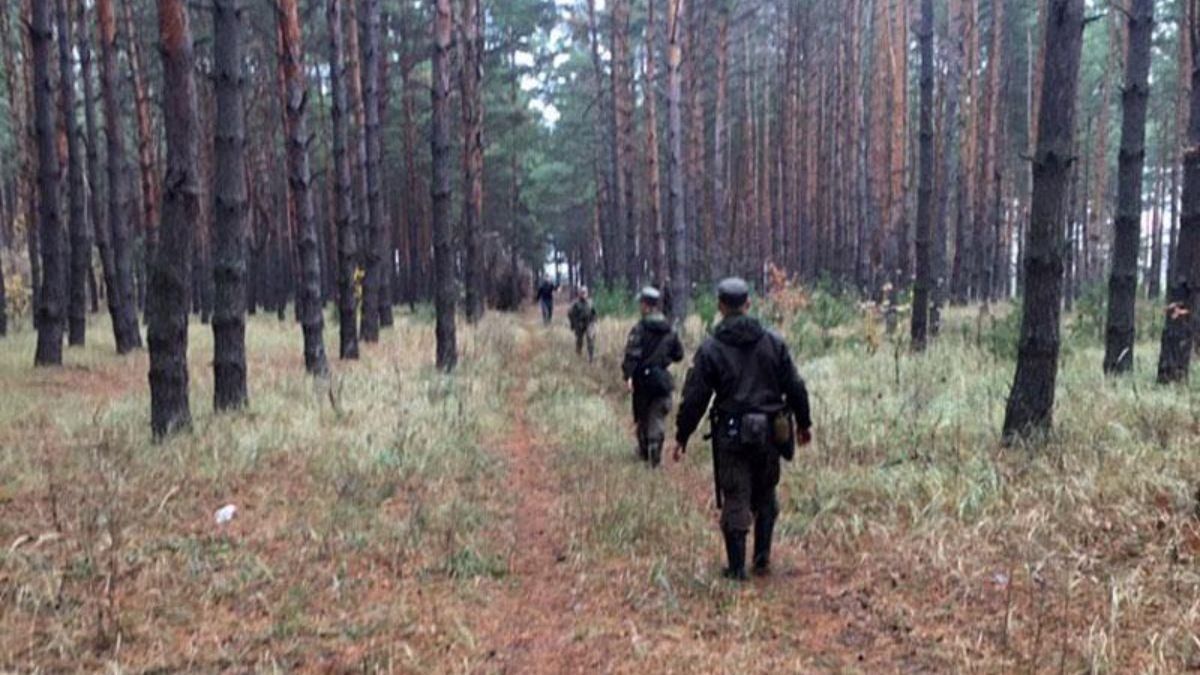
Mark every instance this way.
x=705 y=306
x=829 y=310
x=614 y=301
x=1091 y=314
x=999 y=335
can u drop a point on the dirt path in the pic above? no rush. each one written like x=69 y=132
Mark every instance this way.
x=538 y=621
x=531 y=624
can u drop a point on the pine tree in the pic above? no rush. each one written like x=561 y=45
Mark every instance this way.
x=1031 y=401
x=170 y=269
x=229 y=210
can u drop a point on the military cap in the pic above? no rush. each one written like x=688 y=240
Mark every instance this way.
x=650 y=295
x=733 y=291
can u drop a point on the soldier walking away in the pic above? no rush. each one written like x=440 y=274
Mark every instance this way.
x=759 y=413
x=652 y=347
x=583 y=323
x=545 y=298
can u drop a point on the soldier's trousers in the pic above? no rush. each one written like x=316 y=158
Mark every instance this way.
x=588 y=336
x=747 y=479
x=652 y=428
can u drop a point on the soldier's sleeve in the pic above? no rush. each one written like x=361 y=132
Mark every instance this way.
x=794 y=389
x=697 y=393
x=633 y=351
x=676 y=348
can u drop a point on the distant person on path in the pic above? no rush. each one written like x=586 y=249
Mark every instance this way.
x=545 y=298
x=651 y=348
x=759 y=414
x=583 y=323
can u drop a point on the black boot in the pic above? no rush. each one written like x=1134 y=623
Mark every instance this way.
x=735 y=550
x=654 y=450
x=764 y=527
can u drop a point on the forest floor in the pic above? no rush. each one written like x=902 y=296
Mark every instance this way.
x=398 y=520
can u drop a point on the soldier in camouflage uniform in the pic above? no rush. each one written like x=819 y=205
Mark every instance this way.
x=759 y=412
x=652 y=347
x=583 y=323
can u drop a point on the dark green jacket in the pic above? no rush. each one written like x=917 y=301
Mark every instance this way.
x=582 y=315
x=742 y=368
x=641 y=343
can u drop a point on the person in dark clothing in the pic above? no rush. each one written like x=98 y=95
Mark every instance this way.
x=651 y=348
x=759 y=412
x=582 y=318
x=545 y=298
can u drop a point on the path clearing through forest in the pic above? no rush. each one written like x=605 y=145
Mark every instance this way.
x=547 y=616
x=529 y=626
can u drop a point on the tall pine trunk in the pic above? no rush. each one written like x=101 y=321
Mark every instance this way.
x=1154 y=272
x=145 y=138
x=50 y=314
x=343 y=189
x=374 y=230
x=471 y=45
x=1122 y=284
x=229 y=210
x=121 y=301
x=99 y=225
x=658 y=242
x=920 y=315
x=167 y=297
x=368 y=329
x=680 y=285
x=308 y=306
x=81 y=244
x=950 y=166
x=1031 y=402
x=622 y=80
x=443 y=255
x=1183 y=286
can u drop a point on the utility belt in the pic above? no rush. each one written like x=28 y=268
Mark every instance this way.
x=753 y=430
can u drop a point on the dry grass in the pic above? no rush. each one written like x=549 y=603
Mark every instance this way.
x=377 y=518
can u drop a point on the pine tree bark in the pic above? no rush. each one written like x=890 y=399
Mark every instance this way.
x=368 y=329
x=145 y=136
x=951 y=154
x=622 y=82
x=1122 y=285
x=312 y=320
x=1031 y=402
x=81 y=245
x=167 y=299
x=658 y=241
x=229 y=210
x=1183 y=287
x=99 y=224
x=720 y=182
x=694 y=21
x=680 y=284
x=51 y=305
x=920 y=315
x=121 y=301
x=1154 y=273
x=343 y=188
x=443 y=255
x=616 y=241
x=605 y=180
x=471 y=80
x=373 y=226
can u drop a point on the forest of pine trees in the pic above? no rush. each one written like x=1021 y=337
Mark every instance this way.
x=222 y=158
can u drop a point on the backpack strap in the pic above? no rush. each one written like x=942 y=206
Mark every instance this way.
x=654 y=352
